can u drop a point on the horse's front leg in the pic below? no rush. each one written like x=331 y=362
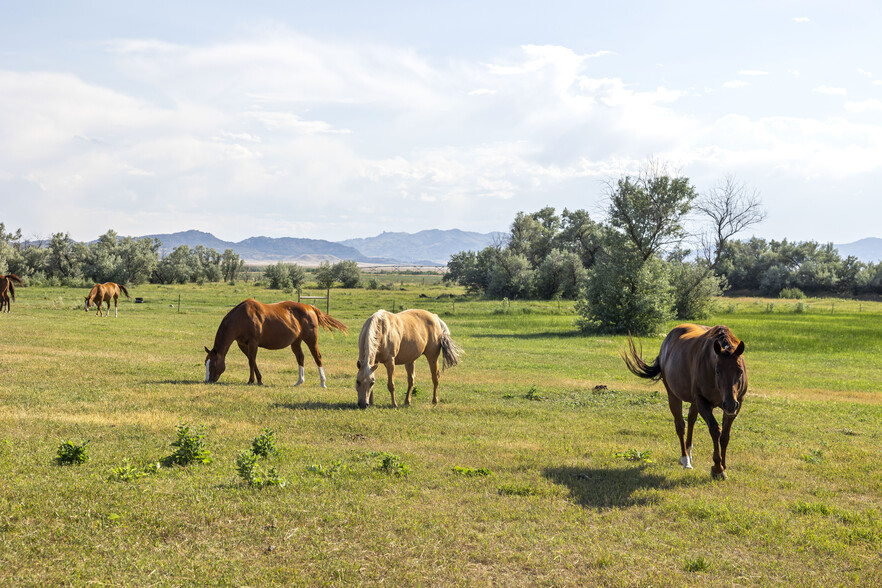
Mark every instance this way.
x=707 y=413
x=409 y=369
x=390 y=372
x=724 y=437
x=298 y=353
x=676 y=407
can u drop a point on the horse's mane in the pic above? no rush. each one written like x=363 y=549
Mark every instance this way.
x=371 y=338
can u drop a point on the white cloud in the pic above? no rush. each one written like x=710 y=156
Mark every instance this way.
x=801 y=19
x=830 y=90
x=754 y=72
x=870 y=105
x=735 y=84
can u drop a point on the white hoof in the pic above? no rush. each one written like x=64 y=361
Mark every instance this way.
x=686 y=462
x=324 y=385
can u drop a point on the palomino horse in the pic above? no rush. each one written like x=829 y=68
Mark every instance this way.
x=395 y=339
x=705 y=367
x=104 y=293
x=253 y=324
x=7 y=290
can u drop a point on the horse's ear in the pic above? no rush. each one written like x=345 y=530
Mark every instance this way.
x=739 y=350
x=373 y=369
x=207 y=350
x=718 y=349
x=358 y=364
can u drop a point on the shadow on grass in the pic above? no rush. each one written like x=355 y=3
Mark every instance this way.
x=603 y=488
x=536 y=335
x=313 y=405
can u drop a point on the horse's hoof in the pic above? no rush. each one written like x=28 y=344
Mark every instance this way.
x=298 y=383
x=719 y=475
x=324 y=385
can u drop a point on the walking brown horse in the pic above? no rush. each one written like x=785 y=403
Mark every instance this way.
x=7 y=290
x=253 y=324
x=395 y=339
x=705 y=367
x=104 y=293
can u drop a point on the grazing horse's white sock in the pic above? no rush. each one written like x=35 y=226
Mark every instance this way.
x=322 y=376
x=300 y=378
x=206 y=369
x=686 y=462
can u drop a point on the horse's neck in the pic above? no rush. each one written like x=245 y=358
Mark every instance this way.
x=372 y=341
x=224 y=337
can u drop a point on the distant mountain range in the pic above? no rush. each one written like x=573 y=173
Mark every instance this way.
x=867 y=250
x=432 y=247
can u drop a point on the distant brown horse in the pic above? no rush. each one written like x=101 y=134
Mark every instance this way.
x=253 y=324
x=104 y=293
x=7 y=290
x=705 y=367
x=395 y=339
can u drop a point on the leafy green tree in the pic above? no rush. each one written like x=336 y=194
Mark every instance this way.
x=694 y=287
x=347 y=273
x=471 y=269
x=10 y=250
x=649 y=209
x=230 y=265
x=511 y=276
x=626 y=293
x=560 y=275
x=324 y=275
x=282 y=276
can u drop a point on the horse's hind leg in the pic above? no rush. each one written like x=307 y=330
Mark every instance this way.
x=693 y=414
x=409 y=369
x=433 y=369
x=115 y=307
x=298 y=353
x=676 y=406
x=312 y=343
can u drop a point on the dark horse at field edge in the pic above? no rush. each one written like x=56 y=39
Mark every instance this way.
x=705 y=367
x=7 y=291
x=252 y=324
x=106 y=292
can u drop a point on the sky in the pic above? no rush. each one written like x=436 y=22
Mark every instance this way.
x=336 y=120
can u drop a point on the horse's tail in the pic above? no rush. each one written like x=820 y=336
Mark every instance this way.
x=329 y=322
x=11 y=290
x=638 y=367
x=123 y=288
x=15 y=278
x=450 y=351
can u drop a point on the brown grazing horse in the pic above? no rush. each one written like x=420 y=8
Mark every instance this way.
x=104 y=293
x=705 y=367
x=253 y=324
x=395 y=339
x=7 y=290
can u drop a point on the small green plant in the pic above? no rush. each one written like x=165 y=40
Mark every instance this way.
x=254 y=475
x=634 y=455
x=392 y=464
x=508 y=395
x=471 y=472
x=128 y=472
x=264 y=444
x=533 y=394
x=696 y=564
x=337 y=467
x=814 y=456
x=415 y=392
x=190 y=446
x=70 y=453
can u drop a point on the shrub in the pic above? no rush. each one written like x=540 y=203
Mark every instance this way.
x=190 y=447
x=264 y=444
x=70 y=454
x=253 y=475
x=794 y=293
x=392 y=464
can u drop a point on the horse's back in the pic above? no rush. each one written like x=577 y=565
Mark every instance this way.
x=679 y=352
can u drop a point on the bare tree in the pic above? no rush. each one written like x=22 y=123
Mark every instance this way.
x=732 y=206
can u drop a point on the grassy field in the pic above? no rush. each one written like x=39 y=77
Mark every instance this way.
x=573 y=479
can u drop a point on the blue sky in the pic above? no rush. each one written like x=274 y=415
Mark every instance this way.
x=344 y=119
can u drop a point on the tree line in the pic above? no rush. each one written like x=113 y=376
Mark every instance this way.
x=60 y=260
x=632 y=271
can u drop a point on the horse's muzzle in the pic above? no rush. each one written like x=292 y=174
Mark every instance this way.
x=731 y=409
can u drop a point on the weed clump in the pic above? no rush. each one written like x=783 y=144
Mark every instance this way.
x=190 y=446
x=71 y=454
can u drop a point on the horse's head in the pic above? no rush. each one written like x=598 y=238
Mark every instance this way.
x=214 y=365
x=88 y=303
x=364 y=384
x=731 y=376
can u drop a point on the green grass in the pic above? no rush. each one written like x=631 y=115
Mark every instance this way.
x=565 y=505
